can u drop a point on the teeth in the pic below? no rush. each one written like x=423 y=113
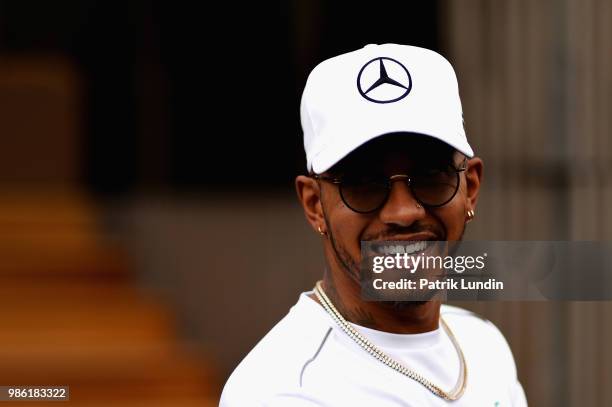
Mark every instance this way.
x=414 y=247
x=408 y=248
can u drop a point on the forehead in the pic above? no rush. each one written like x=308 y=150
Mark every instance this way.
x=395 y=152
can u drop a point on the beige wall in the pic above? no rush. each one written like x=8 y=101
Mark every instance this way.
x=231 y=266
x=536 y=83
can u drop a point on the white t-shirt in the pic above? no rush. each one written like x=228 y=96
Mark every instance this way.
x=307 y=360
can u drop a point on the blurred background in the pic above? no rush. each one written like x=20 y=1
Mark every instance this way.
x=150 y=232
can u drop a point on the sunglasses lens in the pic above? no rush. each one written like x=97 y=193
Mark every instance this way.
x=363 y=195
x=435 y=189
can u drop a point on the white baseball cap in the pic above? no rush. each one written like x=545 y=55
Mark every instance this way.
x=355 y=97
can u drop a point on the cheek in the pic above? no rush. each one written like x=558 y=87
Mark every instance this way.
x=452 y=216
x=347 y=227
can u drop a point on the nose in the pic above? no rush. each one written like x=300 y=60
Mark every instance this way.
x=401 y=208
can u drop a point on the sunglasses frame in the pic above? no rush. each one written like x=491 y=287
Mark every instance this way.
x=389 y=182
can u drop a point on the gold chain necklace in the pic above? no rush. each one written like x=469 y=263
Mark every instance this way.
x=369 y=347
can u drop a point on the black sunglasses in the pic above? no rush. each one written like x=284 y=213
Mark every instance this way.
x=431 y=188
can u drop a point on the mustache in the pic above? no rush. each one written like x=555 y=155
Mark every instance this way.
x=395 y=230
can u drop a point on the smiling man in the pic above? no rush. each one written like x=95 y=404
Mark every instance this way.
x=387 y=159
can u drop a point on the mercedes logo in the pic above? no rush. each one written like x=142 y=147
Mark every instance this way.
x=384 y=80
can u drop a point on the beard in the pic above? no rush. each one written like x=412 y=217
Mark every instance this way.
x=351 y=268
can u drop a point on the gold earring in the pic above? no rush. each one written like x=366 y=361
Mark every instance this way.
x=470 y=215
x=418 y=206
x=322 y=233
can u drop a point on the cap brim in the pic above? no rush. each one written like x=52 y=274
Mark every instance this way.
x=335 y=152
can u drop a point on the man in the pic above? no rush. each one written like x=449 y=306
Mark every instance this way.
x=388 y=159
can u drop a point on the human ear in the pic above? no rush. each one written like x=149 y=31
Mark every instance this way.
x=473 y=178
x=309 y=195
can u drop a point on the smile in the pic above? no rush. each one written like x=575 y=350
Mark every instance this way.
x=410 y=248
